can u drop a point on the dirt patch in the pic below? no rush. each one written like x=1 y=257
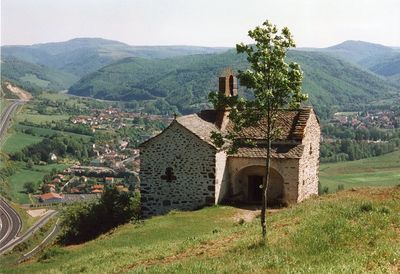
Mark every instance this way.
x=209 y=249
x=22 y=94
x=370 y=193
x=37 y=212
x=246 y=215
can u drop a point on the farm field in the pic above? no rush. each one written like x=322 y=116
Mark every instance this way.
x=40 y=118
x=23 y=175
x=377 y=171
x=47 y=131
x=219 y=240
x=18 y=140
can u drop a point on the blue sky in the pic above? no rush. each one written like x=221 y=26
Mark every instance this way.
x=314 y=23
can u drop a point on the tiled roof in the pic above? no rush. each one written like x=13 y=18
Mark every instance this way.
x=277 y=152
x=50 y=195
x=200 y=127
x=291 y=124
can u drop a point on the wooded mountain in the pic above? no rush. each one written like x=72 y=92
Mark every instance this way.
x=379 y=59
x=34 y=77
x=185 y=82
x=81 y=56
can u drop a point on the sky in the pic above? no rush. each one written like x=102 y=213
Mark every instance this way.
x=313 y=23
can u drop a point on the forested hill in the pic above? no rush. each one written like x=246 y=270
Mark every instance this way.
x=377 y=58
x=81 y=56
x=34 y=77
x=185 y=82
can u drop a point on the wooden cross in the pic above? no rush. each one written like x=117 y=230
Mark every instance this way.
x=169 y=175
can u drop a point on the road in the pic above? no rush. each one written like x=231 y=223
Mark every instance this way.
x=10 y=223
x=11 y=244
x=6 y=116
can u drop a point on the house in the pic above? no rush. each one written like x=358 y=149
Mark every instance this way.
x=109 y=180
x=52 y=157
x=97 y=189
x=51 y=197
x=182 y=169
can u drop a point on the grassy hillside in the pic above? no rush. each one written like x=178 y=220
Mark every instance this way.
x=185 y=82
x=81 y=56
x=34 y=77
x=377 y=171
x=321 y=235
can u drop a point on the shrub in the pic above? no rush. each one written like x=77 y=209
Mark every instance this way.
x=340 y=187
x=366 y=207
x=85 y=221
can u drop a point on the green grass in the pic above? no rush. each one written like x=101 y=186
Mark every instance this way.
x=18 y=140
x=3 y=104
x=33 y=79
x=48 y=132
x=41 y=118
x=23 y=175
x=348 y=232
x=377 y=171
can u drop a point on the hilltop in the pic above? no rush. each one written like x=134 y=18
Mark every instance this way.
x=323 y=234
x=81 y=56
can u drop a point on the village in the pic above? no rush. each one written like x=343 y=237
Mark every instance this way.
x=384 y=119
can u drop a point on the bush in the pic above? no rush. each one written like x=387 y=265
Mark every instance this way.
x=340 y=187
x=366 y=207
x=83 y=222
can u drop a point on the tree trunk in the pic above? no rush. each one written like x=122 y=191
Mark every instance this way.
x=265 y=192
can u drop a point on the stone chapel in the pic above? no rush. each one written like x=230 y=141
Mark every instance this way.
x=182 y=169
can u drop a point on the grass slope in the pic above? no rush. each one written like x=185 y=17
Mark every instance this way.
x=17 y=141
x=377 y=171
x=320 y=235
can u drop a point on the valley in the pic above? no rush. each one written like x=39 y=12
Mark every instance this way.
x=74 y=146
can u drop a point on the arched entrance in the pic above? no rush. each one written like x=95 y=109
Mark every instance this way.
x=248 y=182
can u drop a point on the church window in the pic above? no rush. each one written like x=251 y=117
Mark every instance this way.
x=169 y=175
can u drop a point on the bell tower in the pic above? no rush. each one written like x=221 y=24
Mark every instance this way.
x=228 y=83
x=228 y=87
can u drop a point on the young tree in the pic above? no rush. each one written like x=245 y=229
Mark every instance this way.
x=276 y=85
x=29 y=187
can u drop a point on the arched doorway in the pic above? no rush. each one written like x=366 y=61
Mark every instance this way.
x=248 y=182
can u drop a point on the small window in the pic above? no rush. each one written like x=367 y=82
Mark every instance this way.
x=169 y=175
x=311 y=149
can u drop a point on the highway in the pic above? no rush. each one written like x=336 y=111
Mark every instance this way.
x=10 y=223
x=6 y=116
x=17 y=240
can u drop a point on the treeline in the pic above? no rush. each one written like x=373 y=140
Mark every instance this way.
x=86 y=221
x=345 y=150
x=61 y=146
x=59 y=125
x=345 y=132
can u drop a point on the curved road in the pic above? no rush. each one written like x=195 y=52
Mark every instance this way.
x=6 y=116
x=10 y=223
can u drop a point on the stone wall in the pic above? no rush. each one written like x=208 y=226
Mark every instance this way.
x=221 y=177
x=309 y=163
x=177 y=171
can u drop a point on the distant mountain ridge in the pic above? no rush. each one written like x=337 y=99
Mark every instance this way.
x=183 y=83
x=164 y=79
x=382 y=60
x=81 y=56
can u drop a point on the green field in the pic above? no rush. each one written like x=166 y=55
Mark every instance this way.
x=48 y=132
x=18 y=140
x=23 y=175
x=377 y=171
x=346 y=232
x=40 y=118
